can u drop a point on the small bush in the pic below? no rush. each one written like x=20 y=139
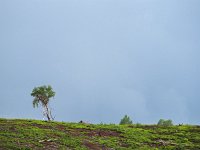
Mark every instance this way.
x=126 y=120
x=165 y=123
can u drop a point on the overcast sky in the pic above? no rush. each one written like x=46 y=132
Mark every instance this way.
x=103 y=58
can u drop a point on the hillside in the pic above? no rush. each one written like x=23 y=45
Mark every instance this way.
x=34 y=134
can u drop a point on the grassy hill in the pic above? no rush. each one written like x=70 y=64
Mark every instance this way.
x=34 y=134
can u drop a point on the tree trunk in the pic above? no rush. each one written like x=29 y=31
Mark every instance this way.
x=48 y=113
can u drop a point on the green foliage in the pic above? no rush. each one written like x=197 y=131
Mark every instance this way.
x=42 y=96
x=166 y=123
x=125 y=120
x=36 y=134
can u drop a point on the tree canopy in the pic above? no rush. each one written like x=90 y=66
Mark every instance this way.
x=163 y=122
x=125 y=120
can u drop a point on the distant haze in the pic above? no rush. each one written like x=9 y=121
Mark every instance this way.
x=103 y=58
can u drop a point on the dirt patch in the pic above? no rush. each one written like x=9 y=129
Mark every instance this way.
x=149 y=127
x=13 y=129
x=103 y=133
x=92 y=146
x=160 y=143
x=61 y=127
x=49 y=145
x=80 y=131
x=95 y=146
x=91 y=133
x=41 y=126
x=122 y=144
x=56 y=127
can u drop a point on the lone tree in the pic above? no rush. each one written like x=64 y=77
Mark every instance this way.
x=42 y=96
x=126 y=120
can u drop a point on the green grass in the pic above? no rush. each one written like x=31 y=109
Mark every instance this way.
x=35 y=134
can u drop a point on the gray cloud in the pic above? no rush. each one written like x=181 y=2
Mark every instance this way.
x=104 y=59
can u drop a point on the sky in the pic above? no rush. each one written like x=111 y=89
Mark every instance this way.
x=103 y=58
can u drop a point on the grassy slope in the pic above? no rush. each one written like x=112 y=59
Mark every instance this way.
x=34 y=134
